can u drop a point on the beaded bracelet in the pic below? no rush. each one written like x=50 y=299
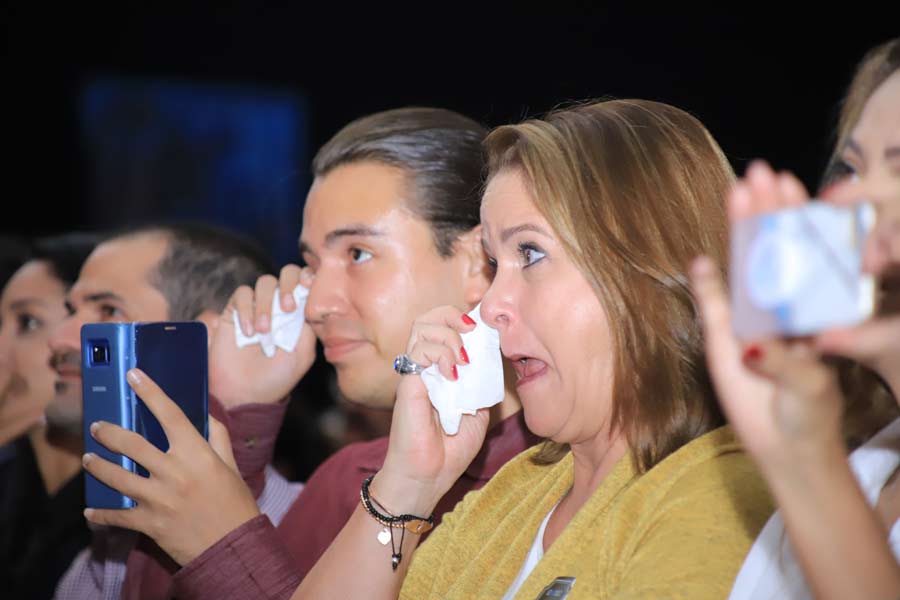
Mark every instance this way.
x=411 y=523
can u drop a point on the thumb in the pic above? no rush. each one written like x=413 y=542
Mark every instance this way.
x=221 y=443
x=864 y=342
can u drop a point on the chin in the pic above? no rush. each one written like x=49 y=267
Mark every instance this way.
x=540 y=423
x=358 y=387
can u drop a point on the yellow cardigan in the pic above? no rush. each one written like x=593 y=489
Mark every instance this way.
x=681 y=530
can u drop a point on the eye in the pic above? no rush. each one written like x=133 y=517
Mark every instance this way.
x=28 y=323
x=358 y=255
x=844 y=170
x=530 y=253
x=492 y=267
x=110 y=312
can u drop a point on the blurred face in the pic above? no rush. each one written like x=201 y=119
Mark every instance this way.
x=375 y=269
x=114 y=285
x=32 y=304
x=872 y=153
x=871 y=158
x=552 y=326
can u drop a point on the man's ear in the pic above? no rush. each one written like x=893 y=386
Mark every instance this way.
x=473 y=262
x=211 y=320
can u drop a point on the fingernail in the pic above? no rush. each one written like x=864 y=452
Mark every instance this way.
x=468 y=320
x=248 y=327
x=88 y=513
x=752 y=353
x=262 y=323
x=87 y=458
x=134 y=376
x=287 y=303
x=455 y=374
x=464 y=354
x=94 y=427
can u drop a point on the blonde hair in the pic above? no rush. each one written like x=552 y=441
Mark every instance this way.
x=634 y=190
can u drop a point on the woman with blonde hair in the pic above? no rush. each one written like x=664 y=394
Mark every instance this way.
x=785 y=403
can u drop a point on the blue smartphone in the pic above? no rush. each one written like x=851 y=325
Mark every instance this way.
x=173 y=354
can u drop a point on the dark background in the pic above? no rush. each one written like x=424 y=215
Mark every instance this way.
x=765 y=84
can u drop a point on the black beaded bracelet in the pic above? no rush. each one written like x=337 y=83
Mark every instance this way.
x=405 y=523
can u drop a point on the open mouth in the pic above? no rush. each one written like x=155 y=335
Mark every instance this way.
x=527 y=368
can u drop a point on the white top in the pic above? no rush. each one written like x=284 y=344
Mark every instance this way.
x=771 y=569
x=533 y=557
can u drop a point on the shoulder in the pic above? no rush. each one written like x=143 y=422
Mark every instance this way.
x=710 y=479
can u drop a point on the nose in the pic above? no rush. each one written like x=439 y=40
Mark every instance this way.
x=499 y=302
x=66 y=336
x=327 y=293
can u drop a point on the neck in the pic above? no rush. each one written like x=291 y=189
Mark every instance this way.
x=510 y=404
x=593 y=461
x=58 y=456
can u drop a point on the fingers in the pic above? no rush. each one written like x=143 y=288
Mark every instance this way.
x=289 y=279
x=436 y=339
x=221 y=443
x=796 y=367
x=441 y=334
x=242 y=302
x=128 y=443
x=116 y=477
x=429 y=353
x=763 y=184
x=792 y=191
x=132 y=519
x=883 y=244
x=715 y=314
x=864 y=343
x=306 y=277
x=175 y=424
x=265 y=291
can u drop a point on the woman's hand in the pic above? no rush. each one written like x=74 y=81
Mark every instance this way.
x=423 y=462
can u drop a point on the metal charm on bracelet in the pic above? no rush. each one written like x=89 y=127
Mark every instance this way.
x=404 y=365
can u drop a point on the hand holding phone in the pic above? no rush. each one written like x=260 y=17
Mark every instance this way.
x=194 y=495
x=173 y=354
x=799 y=270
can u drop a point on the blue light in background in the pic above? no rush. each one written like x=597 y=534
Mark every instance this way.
x=231 y=155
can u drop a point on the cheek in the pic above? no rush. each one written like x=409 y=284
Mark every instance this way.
x=382 y=299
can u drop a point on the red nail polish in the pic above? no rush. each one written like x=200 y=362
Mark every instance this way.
x=464 y=354
x=468 y=320
x=752 y=354
x=455 y=374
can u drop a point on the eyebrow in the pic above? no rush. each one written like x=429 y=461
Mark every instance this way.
x=334 y=235
x=24 y=302
x=850 y=144
x=511 y=231
x=102 y=296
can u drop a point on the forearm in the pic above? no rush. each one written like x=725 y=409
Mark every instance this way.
x=838 y=539
x=357 y=564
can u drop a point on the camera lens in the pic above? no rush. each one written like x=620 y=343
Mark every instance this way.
x=99 y=354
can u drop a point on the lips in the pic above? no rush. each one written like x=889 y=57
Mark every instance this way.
x=337 y=347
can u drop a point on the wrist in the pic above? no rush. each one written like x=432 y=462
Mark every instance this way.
x=402 y=495
x=806 y=464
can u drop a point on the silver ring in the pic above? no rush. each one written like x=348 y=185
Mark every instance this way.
x=404 y=365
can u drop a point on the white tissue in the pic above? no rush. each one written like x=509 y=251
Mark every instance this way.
x=480 y=382
x=286 y=326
